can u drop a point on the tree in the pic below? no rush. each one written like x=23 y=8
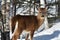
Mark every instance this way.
x=59 y=8
x=5 y=12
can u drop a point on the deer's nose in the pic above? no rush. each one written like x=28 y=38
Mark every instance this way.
x=42 y=15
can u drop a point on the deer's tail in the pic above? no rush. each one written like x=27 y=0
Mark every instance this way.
x=13 y=23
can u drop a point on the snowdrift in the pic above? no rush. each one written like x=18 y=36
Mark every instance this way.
x=52 y=33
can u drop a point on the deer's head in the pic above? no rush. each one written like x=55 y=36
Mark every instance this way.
x=42 y=11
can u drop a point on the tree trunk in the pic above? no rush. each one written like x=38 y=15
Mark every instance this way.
x=14 y=7
x=3 y=9
x=5 y=12
x=59 y=8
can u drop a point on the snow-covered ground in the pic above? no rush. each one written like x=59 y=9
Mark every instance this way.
x=52 y=33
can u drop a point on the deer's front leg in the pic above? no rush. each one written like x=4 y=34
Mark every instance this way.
x=27 y=35
x=31 y=35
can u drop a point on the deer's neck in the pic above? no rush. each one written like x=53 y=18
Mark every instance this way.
x=40 y=19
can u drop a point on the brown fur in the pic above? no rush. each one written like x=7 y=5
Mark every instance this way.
x=28 y=23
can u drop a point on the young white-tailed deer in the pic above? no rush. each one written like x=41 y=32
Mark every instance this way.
x=26 y=23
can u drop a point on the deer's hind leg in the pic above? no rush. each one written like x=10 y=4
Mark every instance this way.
x=16 y=34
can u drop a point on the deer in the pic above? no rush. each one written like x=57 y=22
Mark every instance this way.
x=31 y=23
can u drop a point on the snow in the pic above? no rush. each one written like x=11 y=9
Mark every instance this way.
x=52 y=33
x=21 y=11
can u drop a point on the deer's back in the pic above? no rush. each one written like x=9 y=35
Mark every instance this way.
x=26 y=22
